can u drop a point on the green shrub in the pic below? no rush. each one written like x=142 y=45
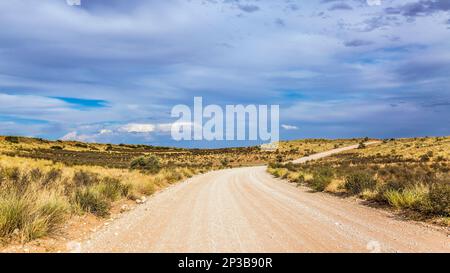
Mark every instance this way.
x=325 y=171
x=97 y=198
x=275 y=165
x=85 y=178
x=438 y=202
x=81 y=145
x=290 y=167
x=146 y=163
x=92 y=201
x=112 y=189
x=393 y=185
x=12 y=174
x=51 y=177
x=12 y=139
x=36 y=174
x=358 y=182
x=320 y=182
x=225 y=162
x=297 y=178
x=13 y=180
x=300 y=179
x=279 y=158
x=322 y=178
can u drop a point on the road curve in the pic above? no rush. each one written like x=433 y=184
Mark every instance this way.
x=246 y=210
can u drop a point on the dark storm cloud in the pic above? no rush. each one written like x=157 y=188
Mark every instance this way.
x=340 y=6
x=248 y=8
x=358 y=43
x=420 y=8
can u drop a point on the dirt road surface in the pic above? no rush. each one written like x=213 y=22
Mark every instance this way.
x=247 y=210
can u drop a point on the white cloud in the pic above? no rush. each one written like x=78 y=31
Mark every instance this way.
x=167 y=127
x=105 y=132
x=164 y=127
x=138 y=128
x=150 y=128
x=289 y=127
x=70 y=136
x=79 y=137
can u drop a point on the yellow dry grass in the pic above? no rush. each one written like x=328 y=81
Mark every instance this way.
x=35 y=210
x=412 y=148
x=405 y=174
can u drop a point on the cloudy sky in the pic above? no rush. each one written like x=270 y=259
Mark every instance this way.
x=110 y=71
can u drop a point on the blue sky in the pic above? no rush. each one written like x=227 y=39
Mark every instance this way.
x=110 y=71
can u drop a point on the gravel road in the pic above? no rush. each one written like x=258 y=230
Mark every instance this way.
x=247 y=210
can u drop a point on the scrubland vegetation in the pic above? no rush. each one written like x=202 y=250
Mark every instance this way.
x=43 y=183
x=37 y=196
x=409 y=175
x=73 y=153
